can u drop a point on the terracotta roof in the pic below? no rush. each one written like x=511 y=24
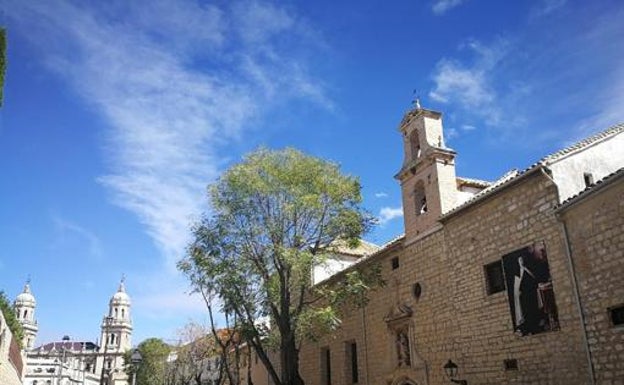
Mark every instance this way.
x=602 y=183
x=461 y=181
x=363 y=249
x=391 y=243
x=514 y=175
x=497 y=185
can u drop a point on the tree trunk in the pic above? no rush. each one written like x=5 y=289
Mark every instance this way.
x=289 y=357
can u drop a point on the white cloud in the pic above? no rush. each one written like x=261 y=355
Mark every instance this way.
x=169 y=118
x=451 y=133
x=66 y=229
x=545 y=7
x=505 y=85
x=466 y=84
x=440 y=7
x=470 y=85
x=386 y=214
x=381 y=194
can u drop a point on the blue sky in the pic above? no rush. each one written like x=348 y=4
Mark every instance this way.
x=118 y=114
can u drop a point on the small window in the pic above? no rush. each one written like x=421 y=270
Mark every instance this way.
x=494 y=277
x=352 y=362
x=617 y=315
x=395 y=263
x=588 y=178
x=511 y=364
x=325 y=366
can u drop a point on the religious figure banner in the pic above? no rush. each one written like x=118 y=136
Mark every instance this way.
x=530 y=290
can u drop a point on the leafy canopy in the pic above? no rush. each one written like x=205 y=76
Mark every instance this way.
x=11 y=319
x=152 y=369
x=276 y=215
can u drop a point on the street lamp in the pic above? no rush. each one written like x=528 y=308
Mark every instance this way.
x=450 y=368
x=136 y=360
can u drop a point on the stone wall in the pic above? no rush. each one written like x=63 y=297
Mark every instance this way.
x=514 y=218
x=11 y=363
x=454 y=317
x=595 y=230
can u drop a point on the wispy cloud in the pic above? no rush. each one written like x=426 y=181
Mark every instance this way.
x=66 y=229
x=506 y=84
x=386 y=214
x=470 y=84
x=381 y=194
x=175 y=84
x=545 y=7
x=440 y=7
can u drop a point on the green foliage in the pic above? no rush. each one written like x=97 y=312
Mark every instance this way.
x=275 y=216
x=11 y=319
x=152 y=370
x=3 y=61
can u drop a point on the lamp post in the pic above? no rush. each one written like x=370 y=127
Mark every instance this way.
x=450 y=368
x=107 y=322
x=136 y=360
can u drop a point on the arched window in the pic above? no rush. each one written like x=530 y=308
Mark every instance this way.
x=420 y=199
x=112 y=339
x=415 y=145
x=25 y=313
x=123 y=313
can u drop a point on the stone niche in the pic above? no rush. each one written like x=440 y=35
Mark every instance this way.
x=405 y=365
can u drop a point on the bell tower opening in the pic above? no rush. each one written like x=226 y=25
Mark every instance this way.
x=414 y=145
x=420 y=198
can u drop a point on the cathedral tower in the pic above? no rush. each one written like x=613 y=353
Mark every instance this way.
x=116 y=337
x=427 y=176
x=25 y=310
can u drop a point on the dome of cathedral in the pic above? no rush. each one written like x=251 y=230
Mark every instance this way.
x=121 y=297
x=25 y=298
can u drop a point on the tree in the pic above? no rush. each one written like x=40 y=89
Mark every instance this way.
x=152 y=370
x=11 y=319
x=196 y=346
x=274 y=217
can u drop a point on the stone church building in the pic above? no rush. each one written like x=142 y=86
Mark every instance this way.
x=518 y=281
x=70 y=362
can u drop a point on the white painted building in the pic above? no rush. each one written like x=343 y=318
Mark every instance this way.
x=25 y=311
x=78 y=363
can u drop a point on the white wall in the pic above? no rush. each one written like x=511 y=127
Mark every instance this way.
x=331 y=266
x=599 y=159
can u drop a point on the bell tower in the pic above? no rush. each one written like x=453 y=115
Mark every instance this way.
x=427 y=176
x=25 y=310
x=116 y=338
